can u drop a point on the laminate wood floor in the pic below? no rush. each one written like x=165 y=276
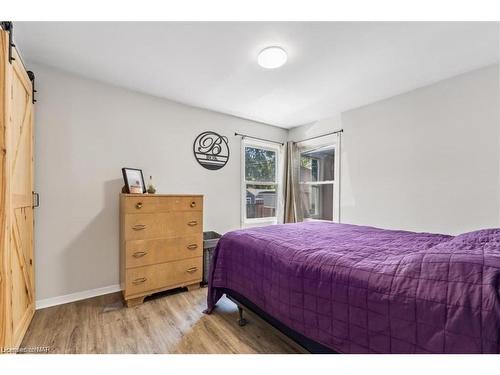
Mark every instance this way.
x=166 y=323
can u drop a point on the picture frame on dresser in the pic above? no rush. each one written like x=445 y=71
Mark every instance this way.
x=134 y=181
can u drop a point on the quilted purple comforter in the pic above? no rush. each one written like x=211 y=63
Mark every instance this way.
x=366 y=290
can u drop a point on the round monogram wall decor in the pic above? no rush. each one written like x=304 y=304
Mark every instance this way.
x=211 y=150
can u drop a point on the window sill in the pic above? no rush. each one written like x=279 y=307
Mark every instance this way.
x=259 y=222
x=311 y=219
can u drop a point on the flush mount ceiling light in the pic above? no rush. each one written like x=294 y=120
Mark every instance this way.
x=272 y=57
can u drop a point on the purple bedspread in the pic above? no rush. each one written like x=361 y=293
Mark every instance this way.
x=366 y=290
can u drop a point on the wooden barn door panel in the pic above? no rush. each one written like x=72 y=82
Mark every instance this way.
x=19 y=210
x=5 y=331
x=21 y=146
x=22 y=273
x=21 y=140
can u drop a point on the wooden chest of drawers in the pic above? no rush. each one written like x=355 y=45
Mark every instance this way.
x=161 y=244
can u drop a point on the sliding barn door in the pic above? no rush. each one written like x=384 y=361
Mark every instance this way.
x=18 y=297
x=4 y=234
x=21 y=162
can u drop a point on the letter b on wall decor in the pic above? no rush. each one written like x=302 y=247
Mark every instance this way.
x=211 y=150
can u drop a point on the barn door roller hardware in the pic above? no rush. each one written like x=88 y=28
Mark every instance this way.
x=31 y=76
x=8 y=26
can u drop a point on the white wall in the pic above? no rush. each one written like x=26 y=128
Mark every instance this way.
x=85 y=133
x=498 y=147
x=427 y=160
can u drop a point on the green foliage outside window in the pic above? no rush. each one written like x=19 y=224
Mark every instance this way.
x=260 y=164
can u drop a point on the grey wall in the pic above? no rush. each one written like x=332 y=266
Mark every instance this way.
x=427 y=160
x=85 y=133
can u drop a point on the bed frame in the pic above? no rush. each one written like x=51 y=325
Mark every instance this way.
x=243 y=303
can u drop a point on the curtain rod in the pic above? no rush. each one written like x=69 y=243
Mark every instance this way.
x=260 y=139
x=323 y=135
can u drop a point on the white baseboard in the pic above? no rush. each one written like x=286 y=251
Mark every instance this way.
x=67 y=298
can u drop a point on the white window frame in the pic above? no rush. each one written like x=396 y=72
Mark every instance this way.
x=313 y=183
x=269 y=146
x=318 y=144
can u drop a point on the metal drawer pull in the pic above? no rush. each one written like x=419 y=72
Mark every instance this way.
x=138 y=205
x=193 y=204
x=192 y=223
x=192 y=246
x=192 y=269
x=139 y=280
x=139 y=254
x=139 y=227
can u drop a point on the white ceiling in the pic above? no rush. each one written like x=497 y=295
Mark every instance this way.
x=332 y=66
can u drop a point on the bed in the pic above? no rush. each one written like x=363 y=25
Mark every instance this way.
x=355 y=289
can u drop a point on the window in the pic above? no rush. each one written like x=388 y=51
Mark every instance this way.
x=260 y=181
x=317 y=182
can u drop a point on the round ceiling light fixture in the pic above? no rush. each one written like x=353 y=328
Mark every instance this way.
x=272 y=57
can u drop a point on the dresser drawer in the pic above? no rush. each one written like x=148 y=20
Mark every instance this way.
x=146 y=252
x=145 y=204
x=151 y=203
x=162 y=276
x=186 y=203
x=162 y=225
